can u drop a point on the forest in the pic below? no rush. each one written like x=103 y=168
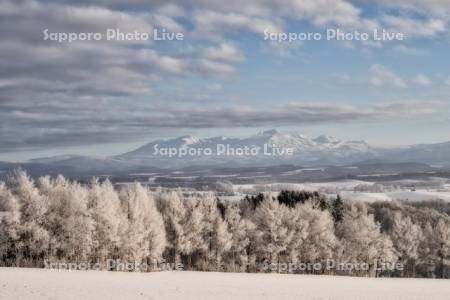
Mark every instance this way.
x=58 y=220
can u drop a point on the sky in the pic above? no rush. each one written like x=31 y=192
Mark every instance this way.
x=224 y=77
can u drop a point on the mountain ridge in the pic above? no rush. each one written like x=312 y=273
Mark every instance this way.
x=323 y=150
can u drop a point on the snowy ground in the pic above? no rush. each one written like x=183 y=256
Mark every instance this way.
x=346 y=188
x=419 y=195
x=38 y=284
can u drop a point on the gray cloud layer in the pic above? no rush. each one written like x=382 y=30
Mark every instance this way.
x=55 y=94
x=50 y=125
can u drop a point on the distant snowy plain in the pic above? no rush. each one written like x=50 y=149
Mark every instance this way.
x=346 y=189
x=40 y=284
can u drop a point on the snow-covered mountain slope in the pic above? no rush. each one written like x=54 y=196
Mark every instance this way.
x=225 y=152
x=321 y=150
x=430 y=153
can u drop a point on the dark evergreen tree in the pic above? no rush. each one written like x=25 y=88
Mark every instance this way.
x=221 y=208
x=292 y=198
x=337 y=209
x=254 y=201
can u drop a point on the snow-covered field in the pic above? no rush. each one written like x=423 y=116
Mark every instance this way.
x=38 y=284
x=419 y=195
x=346 y=188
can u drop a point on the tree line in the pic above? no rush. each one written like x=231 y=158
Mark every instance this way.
x=57 y=220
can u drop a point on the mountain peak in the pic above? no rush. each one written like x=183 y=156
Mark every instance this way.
x=326 y=139
x=189 y=139
x=304 y=149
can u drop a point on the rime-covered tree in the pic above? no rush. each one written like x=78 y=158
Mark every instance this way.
x=108 y=220
x=194 y=244
x=362 y=239
x=33 y=238
x=241 y=230
x=442 y=234
x=215 y=233
x=296 y=222
x=145 y=237
x=64 y=220
x=9 y=226
x=320 y=242
x=68 y=219
x=271 y=233
x=174 y=215
x=406 y=237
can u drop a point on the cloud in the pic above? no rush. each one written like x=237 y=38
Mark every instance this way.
x=382 y=76
x=113 y=68
x=224 y=52
x=54 y=124
x=89 y=67
x=422 y=80
x=58 y=94
x=326 y=12
x=212 y=67
x=402 y=49
x=212 y=23
x=409 y=108
x=433 y=7
x=415 y=27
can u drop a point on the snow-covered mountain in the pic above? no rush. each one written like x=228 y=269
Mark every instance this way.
x=191 y=151
x=298 y=149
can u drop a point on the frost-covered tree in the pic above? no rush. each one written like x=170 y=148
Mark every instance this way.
x=406 y=237
x=67 y=219
x=108 y=220
x=9 y=226
x=174 y=215
x=320 y=242
x=271 y=233
x=32 y=241
x=224 y=187
x=442 y=235
x=145 y=237
x=296 y=222
x=241 y=230
x=362 y=239
x=215 y=233
x=64 y=220
x=194 y=244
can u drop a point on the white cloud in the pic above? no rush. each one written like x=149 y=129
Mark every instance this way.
x=217 y=68
x=224 y=52
x=213 y=24
x=434 y=7
x=325 y=12
x=402 y=49
x=382 y=76
x=422 y=80
x=414 y=27
x=171 y=65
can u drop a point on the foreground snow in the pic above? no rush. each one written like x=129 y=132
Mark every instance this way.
x=46 y=284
